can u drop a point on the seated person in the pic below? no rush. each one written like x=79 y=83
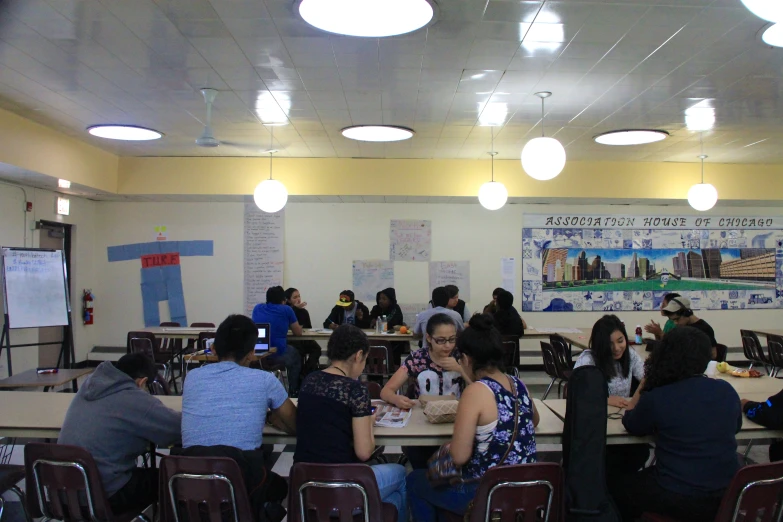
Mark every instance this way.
x=226 y=403
x=457 y=304
x=490 y=308
x=348 y=311
x=309 y=351
x=115 y=419
x=428 y=371
x=694 y=421
x=280 y=317
x=507 y=319
x=679 y=312
x=334 y=416
x=440 y=301
x=769 y=414
x=655 y=328
x=484 y=428
x=387 y=305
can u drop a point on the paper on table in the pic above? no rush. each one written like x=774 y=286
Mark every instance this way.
x=558 y=330
x=388 y=416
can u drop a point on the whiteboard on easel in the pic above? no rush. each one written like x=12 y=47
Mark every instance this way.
x=34 y=288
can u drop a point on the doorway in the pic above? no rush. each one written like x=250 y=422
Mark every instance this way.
x=55 y=236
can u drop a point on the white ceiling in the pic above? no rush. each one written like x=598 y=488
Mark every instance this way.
x=615 y=64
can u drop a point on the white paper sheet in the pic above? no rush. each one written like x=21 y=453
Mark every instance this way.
x=369 y=277
x=456 y=273
x=410 y=240
x=264 y=237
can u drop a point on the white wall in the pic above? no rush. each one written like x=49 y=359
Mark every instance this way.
x=12 y=227
x=321 y=242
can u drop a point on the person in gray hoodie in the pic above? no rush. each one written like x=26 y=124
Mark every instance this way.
x=115 y=419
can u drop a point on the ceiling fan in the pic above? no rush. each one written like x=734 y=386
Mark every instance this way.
x=207 y=138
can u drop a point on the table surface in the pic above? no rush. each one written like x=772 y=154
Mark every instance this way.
x=309 y=334
x=33 y=379
x=41 y=415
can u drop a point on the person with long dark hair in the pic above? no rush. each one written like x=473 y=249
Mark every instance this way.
x=484 y=428
x=386 y=305
x=609 y=352
x=309 y=351
x=492 y=306
x=507 y=319
x=694 y=420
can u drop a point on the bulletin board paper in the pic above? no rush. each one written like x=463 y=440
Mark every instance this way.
x=410 y=240
x=264 y=238
x=34 y=288
x=410 y=311
x=508 y=273
x=369 y=277
x=456 y=273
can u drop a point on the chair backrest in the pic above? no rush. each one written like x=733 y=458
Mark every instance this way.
x=775 y=349
x=754 y=494
x=202 y=340
x=562 y=351
x=202 y=325
x=752 y=346
x=159 y=386
x=204 y=489
x=521 y=492
x=374 y=388
x=510 y=352
x=378 y=362
x=333 y=493
x=143 y=342
x=722 y=351
x=63 y=483
x=167 y=344
x=548 y=354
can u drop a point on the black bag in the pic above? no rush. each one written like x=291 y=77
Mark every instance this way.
x=584 y=448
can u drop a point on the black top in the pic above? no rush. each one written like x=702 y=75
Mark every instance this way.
x=393 y=316
x=768 y=413
x=509 y=322
x=337 y=315
x=302 y=317
x=694 y=422
x=702 y=325
x=324 y=418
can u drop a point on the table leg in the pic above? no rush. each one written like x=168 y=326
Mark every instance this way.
x=74 y=386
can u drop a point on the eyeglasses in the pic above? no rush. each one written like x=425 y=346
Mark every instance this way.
x=443 y=340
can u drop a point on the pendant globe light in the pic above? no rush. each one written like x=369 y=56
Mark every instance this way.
x=270 y=195
x=493 y=194
x=543 y=158
x=702 y=196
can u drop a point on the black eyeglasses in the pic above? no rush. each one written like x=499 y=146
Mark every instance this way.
x=444 y=340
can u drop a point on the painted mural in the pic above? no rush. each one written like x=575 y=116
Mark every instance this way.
x=609 y=263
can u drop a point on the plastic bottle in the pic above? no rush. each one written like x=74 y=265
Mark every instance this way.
x=638 y=334
x=378 y=325
x=384 y=324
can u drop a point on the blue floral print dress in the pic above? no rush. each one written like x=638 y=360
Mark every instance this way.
x=490 y=447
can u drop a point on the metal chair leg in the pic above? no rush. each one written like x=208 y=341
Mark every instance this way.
x=549 y=388
x=747 y=449
x=18 y=493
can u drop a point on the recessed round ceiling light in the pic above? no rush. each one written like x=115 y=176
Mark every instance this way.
x=773 y=35
x=770 y=10
x=124 y=132
x=377 y=133
x=631 y=137
x=376 y=18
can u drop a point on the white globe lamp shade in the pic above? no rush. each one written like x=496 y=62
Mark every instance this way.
x=770 y=10
x=702 y=196
x=492 y=195
x=270 y=195
x=543 y=158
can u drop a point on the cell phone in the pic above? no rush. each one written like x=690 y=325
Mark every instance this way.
x=373 y=408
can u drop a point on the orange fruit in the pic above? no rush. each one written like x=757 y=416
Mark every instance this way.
x=403 y=330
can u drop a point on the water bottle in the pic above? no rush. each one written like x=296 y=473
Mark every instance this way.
x=638 y=334
x=384 y=324
x=378 y=325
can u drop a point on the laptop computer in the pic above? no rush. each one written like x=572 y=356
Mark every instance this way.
x=262 y=343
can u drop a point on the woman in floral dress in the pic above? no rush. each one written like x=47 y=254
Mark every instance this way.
x=484 y=427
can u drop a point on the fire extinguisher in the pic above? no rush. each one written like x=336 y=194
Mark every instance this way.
x=87 y=299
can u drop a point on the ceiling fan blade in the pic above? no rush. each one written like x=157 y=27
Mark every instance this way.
x=246 y=146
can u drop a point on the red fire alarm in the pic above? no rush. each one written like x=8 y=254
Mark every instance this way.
x=29 y=206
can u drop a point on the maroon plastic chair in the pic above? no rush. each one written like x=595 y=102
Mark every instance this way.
x=722 y=352
x=751 y=346
x=375 y=390
x=755 y=494
x=58 y=477
x=563 y=351
x=511 y=353
x=548 y=354
x=204 y=489
x=775 y=349
x=336 y=493
x=202 y=325
x=378 y=361
x=148 y=344
x=170 y=353
x=520 y=492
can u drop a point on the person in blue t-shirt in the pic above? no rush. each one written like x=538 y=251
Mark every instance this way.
x=280 y=317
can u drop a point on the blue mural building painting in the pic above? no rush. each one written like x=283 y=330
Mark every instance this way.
x=161 y=274
x=628 y=263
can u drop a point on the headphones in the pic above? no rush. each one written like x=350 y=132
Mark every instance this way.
x=684 y=311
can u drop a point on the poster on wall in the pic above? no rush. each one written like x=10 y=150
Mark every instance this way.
x=628 y=263
x=370 y=277
x=264 y=237
x=410 y=311
x=456 y=273
x=410 y=240
x=508 y=274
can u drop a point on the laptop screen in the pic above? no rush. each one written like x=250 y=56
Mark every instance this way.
x=262 y=342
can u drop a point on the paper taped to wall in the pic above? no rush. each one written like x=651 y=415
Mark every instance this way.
x=370 y=277
x=264 y=241
x=410 y=311
x=456 y=273
x=410 y=240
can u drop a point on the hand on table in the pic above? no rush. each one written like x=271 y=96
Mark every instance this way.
x=618 y=402
x=333 y=325
x=403 y=402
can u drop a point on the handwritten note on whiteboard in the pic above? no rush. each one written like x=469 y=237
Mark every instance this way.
x=410 y=240
x=369 y=277
x=410 y=311
x=264 y=236
x=456 y=273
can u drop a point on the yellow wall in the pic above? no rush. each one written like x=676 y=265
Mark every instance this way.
x=31 y=146
x=321 y=176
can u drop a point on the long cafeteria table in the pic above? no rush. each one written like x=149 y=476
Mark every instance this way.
x=41 y=415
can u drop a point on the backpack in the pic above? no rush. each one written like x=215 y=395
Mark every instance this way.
x=584 y=449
